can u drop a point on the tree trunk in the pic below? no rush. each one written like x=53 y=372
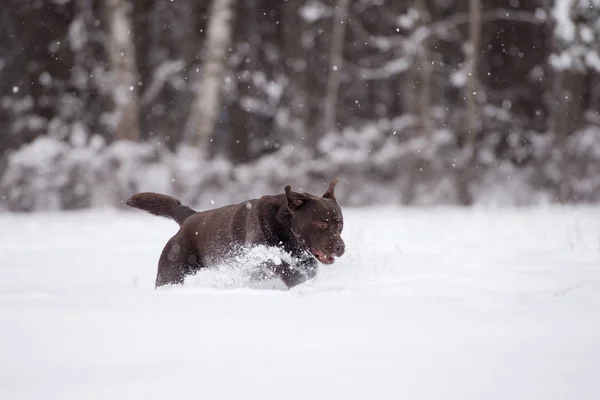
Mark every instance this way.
x=336 y=61
x=122 y=60
x=295 y=55
x=560 y=127
x=567 y=117
x=207 y=102
x=471 y=115
x=424 y=77
x=242 y=122
x=420 y=103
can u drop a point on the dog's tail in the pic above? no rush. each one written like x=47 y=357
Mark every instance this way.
x=161 y=205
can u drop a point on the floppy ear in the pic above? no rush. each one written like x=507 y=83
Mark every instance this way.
x=295 y=200
x=329 y=194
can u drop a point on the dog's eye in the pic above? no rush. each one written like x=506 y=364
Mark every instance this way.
x=321 y=224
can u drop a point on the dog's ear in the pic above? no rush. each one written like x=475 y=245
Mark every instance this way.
x=329 y=194
x=295 y=200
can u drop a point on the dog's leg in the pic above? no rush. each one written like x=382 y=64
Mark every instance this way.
x=176 y=261
x=295 y=275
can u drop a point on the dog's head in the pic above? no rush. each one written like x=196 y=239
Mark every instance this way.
x=317 y=222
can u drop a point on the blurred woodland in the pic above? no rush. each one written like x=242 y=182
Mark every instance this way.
x=407 y=102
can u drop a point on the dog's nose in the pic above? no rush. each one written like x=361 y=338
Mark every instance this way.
x=339 y=249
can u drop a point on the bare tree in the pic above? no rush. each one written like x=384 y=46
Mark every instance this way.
x=574 y=57
x=207 y=102
x=121 y=52
x=424 y=67
x=294 y=53
x=472 y=50
x=419 y=79
x=336 y=61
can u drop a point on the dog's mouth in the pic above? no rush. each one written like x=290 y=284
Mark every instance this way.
x=322 y=257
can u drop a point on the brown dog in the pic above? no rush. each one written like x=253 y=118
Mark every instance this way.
x=305 y=226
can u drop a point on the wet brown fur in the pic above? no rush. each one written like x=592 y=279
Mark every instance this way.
x=296 y=222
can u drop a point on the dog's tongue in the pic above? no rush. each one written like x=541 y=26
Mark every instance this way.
x=322 y=257
x=327 y=260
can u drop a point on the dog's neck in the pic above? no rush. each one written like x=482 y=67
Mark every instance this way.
x=283 y=231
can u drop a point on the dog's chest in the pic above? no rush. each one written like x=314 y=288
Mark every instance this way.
x=254 y=235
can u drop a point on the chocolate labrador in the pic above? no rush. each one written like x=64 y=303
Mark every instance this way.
x=307 y=227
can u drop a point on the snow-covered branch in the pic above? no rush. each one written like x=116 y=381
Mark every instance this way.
x=409 y=45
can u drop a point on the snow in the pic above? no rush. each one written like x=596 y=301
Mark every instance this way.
x=391 y=68
x=575 y=29
x=382 y=155
x=565 y=28
x=408 y=21
x=162 y=74
x=43 y=150
x=77 y=34
x=313 y=11
x=428 y=303
x=459 y=77
x=592 y=60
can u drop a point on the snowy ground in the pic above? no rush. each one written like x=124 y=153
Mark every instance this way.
x=426 y=304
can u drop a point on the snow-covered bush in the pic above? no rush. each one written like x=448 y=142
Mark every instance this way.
x=38 y=176
x=49 y=174
x=576 y=33
x=382 y=163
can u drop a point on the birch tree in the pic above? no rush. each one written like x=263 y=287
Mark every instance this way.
x=124 y=76
x=294 y=53
x=421 y=73
x=472 y=52
x=336 y=61
x=424 y=70
x=207 y=102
